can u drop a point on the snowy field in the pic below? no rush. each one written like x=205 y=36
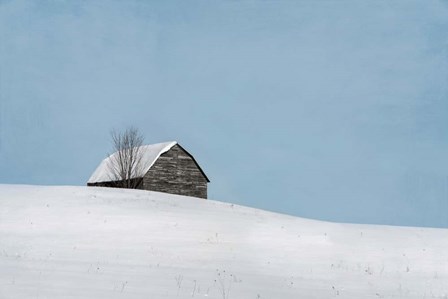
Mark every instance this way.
x=79 y=242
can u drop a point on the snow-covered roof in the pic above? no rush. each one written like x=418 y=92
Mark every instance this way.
x=150 y=154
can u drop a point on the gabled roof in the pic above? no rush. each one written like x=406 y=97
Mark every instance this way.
x=150 y=155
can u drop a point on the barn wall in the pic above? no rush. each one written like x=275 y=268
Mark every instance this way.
x=175 y=172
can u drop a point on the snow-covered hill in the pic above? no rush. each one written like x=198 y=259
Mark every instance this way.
x=79 y=242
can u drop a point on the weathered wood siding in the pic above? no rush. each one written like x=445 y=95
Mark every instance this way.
x=176 y=172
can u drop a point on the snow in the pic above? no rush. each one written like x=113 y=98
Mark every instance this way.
x=150 y=153
x=81 y=242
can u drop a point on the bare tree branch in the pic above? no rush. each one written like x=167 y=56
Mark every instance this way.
x=125 y=165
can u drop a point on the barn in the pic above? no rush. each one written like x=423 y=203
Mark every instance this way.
x=166 y=167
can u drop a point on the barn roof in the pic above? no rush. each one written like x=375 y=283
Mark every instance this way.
x=150 y=155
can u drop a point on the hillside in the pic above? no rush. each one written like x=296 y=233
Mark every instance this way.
x=79 y=242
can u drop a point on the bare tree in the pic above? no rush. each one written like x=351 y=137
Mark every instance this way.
x=125 y=165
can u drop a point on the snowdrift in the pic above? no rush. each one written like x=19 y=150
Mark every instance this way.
x=79 y=242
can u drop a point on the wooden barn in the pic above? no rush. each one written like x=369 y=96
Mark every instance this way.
x=166 y=167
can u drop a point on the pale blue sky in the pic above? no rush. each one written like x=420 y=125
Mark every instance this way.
x=334 y=110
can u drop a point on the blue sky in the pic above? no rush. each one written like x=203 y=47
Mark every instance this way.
x=333 y=110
